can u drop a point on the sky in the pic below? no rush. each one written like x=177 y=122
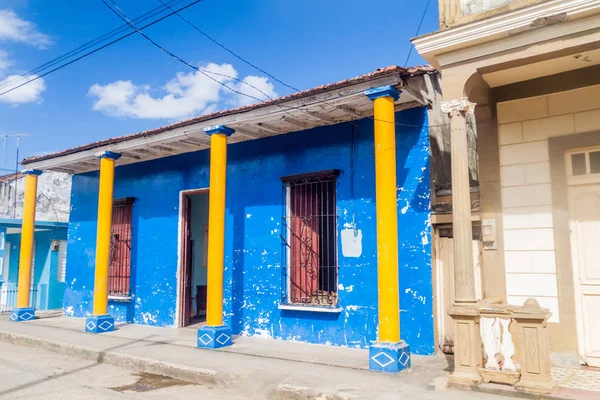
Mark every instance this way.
x=132 y=86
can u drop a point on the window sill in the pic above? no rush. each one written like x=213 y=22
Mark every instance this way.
x=121 y=299
x=293 y=307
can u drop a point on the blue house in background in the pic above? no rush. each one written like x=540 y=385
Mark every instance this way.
x=300 y=217
x=49 y=265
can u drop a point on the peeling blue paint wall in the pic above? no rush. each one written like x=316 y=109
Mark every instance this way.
x=253 y=249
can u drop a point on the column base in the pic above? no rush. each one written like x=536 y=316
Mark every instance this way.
x=464 y=379
x=389 y=357
x=214 y=337
x=536 y=386
x=22 y=314
x=99 y=324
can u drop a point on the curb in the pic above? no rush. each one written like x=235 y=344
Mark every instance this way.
x=205 y=377
x=294 y=392
x=509 y=391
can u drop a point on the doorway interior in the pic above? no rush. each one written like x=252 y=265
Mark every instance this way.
x=194 y=257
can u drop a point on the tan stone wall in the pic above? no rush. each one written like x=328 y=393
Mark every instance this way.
x=530 y=235
x=460 y=12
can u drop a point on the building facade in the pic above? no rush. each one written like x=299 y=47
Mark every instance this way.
x=301 y=219
x=50 y=240
x=524 y=75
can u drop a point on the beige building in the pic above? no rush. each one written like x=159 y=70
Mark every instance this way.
x=525 y=76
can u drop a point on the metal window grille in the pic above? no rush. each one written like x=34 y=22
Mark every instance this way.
x=119 y=270
x=310 y=223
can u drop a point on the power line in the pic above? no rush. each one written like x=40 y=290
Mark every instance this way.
x=98 y=48
x=119 y=13
x=417 y=34
x=227 y=49
x=147 y=15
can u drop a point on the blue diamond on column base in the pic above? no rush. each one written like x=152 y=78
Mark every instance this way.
x=389 y=357
x=214 y=337
x=99 y=324
x=22 y=314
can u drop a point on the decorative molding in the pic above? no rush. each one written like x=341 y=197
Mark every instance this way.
x=503 y=24
x=528 y=38
x=461 y=105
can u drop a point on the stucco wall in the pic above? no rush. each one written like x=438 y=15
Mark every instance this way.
x=253 y=248
x=53 y=197
x=524 y=128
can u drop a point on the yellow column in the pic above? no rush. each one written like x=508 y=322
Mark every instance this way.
x=394 y=355
x=24 y=312
x=100 y=321
x=216 y=334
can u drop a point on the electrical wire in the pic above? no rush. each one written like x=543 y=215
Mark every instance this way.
x=147 y=15
x=119 y=13
x=417 y=34
x=98 y=49
x=229 y=50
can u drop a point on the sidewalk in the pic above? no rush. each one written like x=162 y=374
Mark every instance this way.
x=263 y=368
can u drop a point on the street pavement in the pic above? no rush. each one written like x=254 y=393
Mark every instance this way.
x=27 y=373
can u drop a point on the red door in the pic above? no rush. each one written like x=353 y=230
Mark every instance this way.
x=304 y=257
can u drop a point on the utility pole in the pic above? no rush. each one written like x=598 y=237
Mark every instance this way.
x=18 y=136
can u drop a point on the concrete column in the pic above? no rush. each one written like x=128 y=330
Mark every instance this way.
x=464 y=312
x=100 y=321
x=215 y=334
x=464 y=272
x=24 y=311
x=390 y=353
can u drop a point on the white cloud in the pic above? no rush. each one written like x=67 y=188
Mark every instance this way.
x=185 y=95
x=30 y=93
x=5 y=61
x=255 y=86
x=13 y=28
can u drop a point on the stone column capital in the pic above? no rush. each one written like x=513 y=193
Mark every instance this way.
x=108 y=154
x=458 y=105
x=219 y=129
x=36 y=172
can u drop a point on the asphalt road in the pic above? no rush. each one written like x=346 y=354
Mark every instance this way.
x=27 y=373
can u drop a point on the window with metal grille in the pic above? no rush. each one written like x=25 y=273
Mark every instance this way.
x=310 y=223
x=119 y=270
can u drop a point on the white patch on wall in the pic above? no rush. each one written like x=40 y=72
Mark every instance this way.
x=404 y=209
x=351 y=241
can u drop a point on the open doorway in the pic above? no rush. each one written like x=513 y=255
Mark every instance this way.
x=194 y=256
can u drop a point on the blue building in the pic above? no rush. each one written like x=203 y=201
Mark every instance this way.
x=299 y=232
x=49 y=247
x=49 y=264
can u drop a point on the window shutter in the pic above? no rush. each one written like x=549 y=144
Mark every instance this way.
x=119 y=271
x=62 y=261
